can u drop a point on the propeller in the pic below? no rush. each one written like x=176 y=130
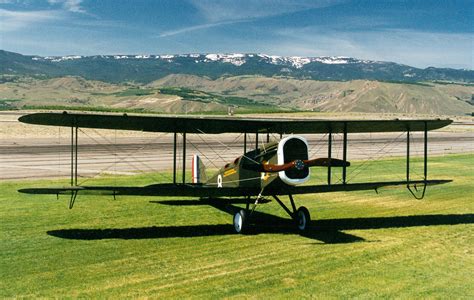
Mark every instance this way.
x=298 y=164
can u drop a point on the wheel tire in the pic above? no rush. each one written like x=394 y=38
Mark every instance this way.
x=240 y=221
x=302 y=218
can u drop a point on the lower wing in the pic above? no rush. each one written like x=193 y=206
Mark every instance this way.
x=194 y=190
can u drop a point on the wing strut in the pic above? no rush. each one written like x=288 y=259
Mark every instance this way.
x=73 y=198
x=425 y=164
x=329 y=155
x=344 y=154
x=256 y=142
x=184 y=157
x=74 y=143
x=425 y=152
x=245 y=143
x=174 y=157
x=408 y=157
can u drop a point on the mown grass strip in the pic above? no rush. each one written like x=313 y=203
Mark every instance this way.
x=361 y=244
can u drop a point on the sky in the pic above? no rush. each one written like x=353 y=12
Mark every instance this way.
x=416 y=33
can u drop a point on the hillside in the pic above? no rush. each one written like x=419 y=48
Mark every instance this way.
x=147 y=68
x=78 y=93
x=349 y=96
x=189 y=94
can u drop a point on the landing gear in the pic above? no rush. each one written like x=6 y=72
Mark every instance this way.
x=300 y=215
x=240 y=221
x=302 y=218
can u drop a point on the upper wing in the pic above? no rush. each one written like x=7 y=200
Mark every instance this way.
x=229 y=124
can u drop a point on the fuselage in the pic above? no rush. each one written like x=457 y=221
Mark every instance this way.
x=244 y=170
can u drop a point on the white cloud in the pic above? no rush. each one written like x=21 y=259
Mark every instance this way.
x=14 y=20
x=225 y=12
x=216 y=11
x=197 y=27
x=69 y=5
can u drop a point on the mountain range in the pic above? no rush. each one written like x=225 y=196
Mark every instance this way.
x=147 y=68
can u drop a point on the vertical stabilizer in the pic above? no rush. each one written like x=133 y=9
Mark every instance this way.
x=198 y=170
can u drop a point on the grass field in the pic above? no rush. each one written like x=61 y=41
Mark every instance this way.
x=360 y=244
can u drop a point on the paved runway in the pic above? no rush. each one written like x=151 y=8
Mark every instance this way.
x=49 y=157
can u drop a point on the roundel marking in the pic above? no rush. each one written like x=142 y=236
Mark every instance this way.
x=219 y=181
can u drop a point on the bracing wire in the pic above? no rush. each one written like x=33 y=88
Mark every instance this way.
x=416 y=152
x=203 y=154
x=314 y=150
x=122 y=158
x=227 y=147
x=239 y=180
x=357 y=170
x=236 y=139
x=213 y=148
x=317 y=146
x=220 y=157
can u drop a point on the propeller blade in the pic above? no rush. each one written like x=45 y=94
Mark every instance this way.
x=326 y=162
x=298 y=164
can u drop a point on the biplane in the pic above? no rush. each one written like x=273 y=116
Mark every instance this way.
x=265 y=170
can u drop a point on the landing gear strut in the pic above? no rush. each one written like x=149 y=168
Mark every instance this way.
x=241 y=217
x=300 y=216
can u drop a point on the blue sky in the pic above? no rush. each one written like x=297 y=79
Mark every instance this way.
x=417 y=33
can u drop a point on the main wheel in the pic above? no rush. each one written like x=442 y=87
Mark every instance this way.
x=240 y=222
x=302 y=218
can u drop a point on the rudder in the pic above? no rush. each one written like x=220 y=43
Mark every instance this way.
x=198 y=171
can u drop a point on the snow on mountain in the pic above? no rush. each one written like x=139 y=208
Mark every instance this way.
x=142 y=56
x=294 y=61
x=333 y=60
x=236 y=59
x=298 y=61
x=58 y=58
x=146 y=68
x=213 y=57
x=120 y=56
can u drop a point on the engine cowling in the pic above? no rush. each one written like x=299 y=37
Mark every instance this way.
x=290 y=149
